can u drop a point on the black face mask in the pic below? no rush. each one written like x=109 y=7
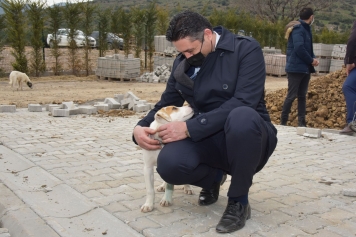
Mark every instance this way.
x=197 y=59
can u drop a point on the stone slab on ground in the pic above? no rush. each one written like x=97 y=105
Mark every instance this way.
x=7 y=108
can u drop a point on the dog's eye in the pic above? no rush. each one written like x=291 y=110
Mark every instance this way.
x=174 y=108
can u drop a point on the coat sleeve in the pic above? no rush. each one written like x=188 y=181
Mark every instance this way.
x=248 y=91
x=299 y=46
x=350 y=56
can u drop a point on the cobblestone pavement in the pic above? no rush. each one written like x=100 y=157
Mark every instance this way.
x=82 y=176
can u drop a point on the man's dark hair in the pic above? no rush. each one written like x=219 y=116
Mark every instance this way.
x=305 y=13
x=187 y=24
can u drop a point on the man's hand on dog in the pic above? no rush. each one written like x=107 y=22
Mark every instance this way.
x=173 y=131
x=142 y=138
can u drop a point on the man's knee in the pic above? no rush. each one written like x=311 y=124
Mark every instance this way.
x=168 y=166
x=242 y=119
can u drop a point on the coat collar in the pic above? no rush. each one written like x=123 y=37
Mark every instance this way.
x=227 y=39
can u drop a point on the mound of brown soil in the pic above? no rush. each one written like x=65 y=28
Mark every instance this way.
x=326 y=107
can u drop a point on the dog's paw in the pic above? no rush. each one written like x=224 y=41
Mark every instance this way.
x=165 y=203
x=146 y=207
x=188 y=190
x=161 y=188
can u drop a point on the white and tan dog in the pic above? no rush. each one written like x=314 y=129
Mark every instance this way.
x=17 y=79
x=163 y=116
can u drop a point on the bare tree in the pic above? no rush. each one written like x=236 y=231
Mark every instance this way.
x=274 y=10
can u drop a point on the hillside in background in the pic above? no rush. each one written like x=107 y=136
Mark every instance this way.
x=339 y=16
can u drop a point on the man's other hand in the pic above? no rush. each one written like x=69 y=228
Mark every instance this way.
x=142 y=138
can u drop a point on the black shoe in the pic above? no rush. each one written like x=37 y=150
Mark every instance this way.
x=210 y=196
x=302 y=123
x=234 y=217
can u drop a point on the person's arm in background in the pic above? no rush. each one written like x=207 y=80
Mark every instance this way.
x=351 y=50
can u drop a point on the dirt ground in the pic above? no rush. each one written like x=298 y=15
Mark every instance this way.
x=81 y=90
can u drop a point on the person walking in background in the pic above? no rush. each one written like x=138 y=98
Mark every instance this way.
x=300 y=63
x=349 y=86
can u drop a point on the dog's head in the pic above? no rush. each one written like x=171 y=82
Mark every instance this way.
x=29 y=84
x=173 y=113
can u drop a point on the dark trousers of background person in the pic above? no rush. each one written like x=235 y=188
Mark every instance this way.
x=349 y=89
x=297 y=87
x=241 y=150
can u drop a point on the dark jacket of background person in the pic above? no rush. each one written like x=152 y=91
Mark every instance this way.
x=222 y=84
x=350 y=56
x=300 y=52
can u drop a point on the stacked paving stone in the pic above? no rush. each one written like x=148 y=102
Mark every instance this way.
x=323 y=54
x=161 y=74
x=338 y=56
x=117 y=66
x=161 y=43
x=271 y=50
x=275 y=64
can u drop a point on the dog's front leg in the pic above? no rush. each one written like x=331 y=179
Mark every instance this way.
x=167 y=198
x=148 y=206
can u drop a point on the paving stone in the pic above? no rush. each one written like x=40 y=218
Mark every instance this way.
x=350 y=192
x=310 y=224
x=113 y=104
x=34 y=108
x=7 y=108
x=60 y=112
x=103 y=107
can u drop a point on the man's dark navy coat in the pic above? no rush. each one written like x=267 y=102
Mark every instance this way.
x=227 y=79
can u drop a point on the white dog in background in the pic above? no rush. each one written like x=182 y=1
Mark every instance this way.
x=163 y=116
x=17 y=79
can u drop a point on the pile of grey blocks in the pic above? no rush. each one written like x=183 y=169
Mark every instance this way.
x=163 y=60
x=132 y=102
x=69 y=108
x=118 y=66
x=160 y=74
x=170 y=51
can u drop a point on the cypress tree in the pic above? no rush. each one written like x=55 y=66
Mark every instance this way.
x=88 y=13
x=55 y=20
x=16 y=34
x=36 y=16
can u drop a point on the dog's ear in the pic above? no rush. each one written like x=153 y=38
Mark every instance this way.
x=164 y=116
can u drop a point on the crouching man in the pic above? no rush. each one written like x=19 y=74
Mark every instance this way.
x=222 y=76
